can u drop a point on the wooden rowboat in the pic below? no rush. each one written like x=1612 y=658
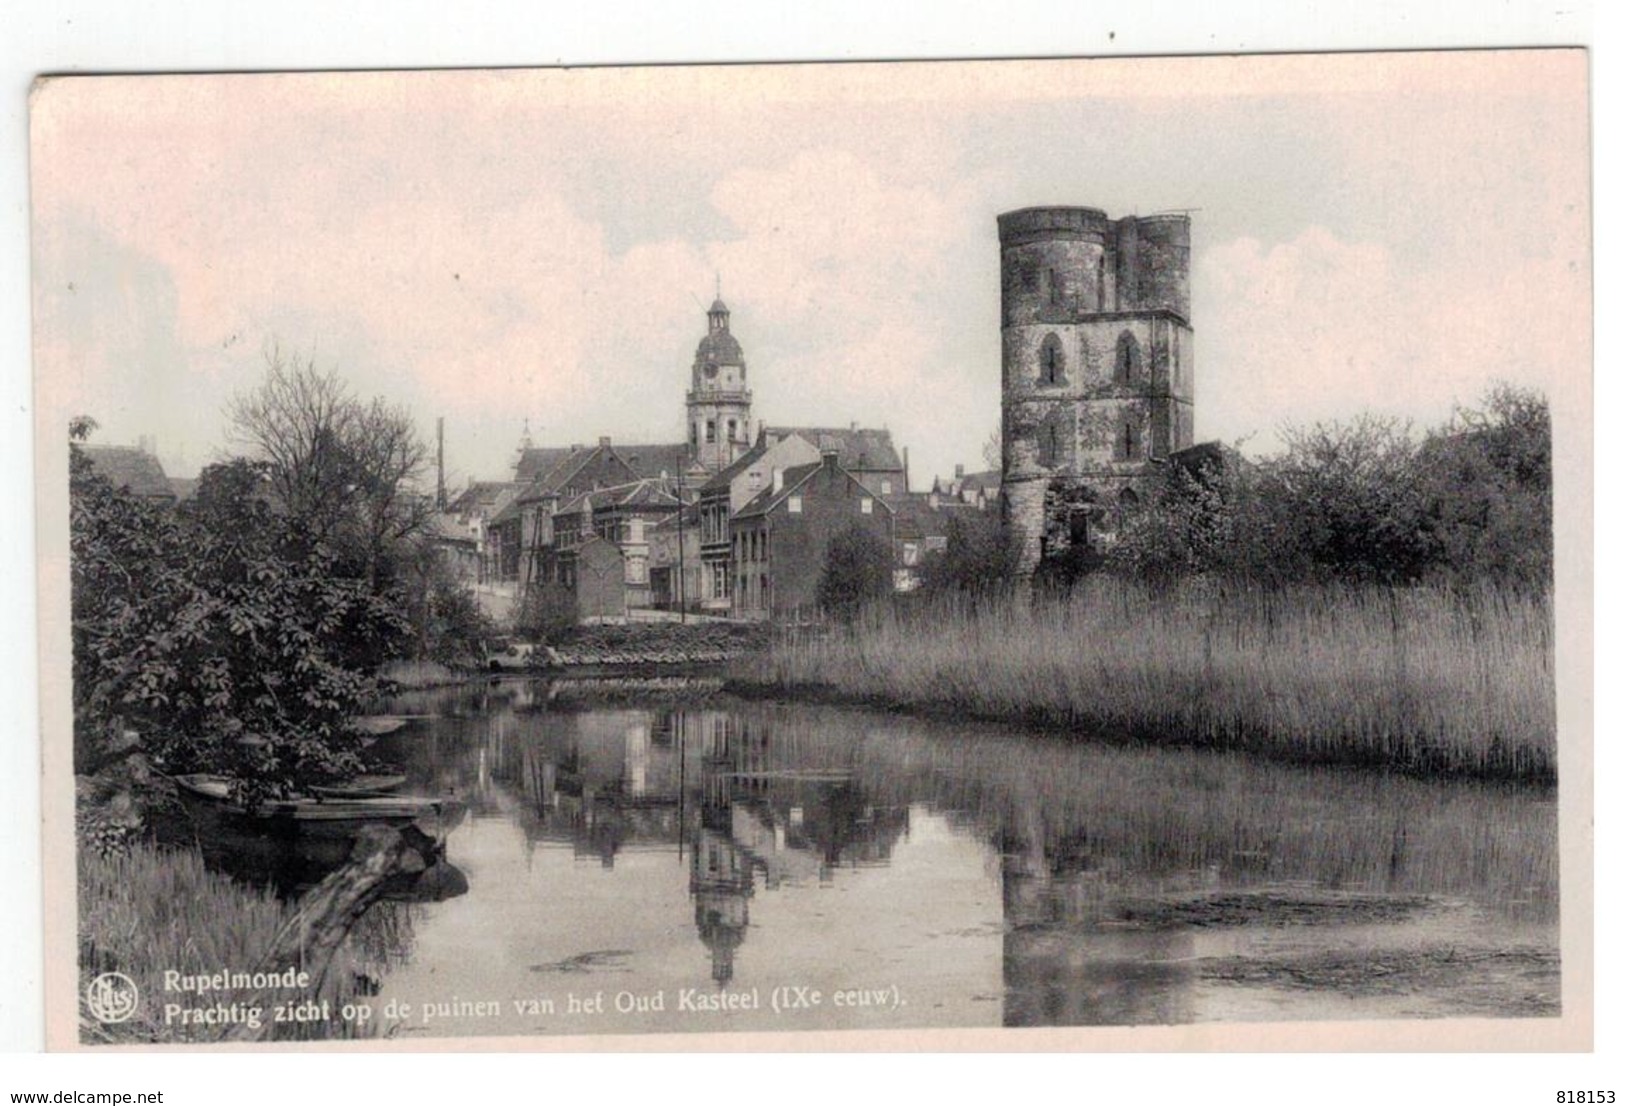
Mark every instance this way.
x=361 y=787
x=339 y=813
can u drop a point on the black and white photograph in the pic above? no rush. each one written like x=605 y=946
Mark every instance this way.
x=827 y=551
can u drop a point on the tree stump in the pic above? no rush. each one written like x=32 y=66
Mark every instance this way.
x=310 y=938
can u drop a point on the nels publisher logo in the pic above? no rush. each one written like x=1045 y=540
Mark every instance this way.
x=112 y=997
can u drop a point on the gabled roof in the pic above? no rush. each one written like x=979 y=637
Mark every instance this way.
x=639 y=493
x=857 y=449
x=553 y=480
x=134 y=470
x=655 y=460
x=537 y=460
x=726 y=477
x=480 y=494
x=794 y=478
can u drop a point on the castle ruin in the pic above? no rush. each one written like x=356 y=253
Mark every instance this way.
x=1098 y=368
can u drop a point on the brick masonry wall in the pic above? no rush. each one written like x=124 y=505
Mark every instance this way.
x=799 y=543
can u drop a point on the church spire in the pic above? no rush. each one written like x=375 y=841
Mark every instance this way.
x=718 y=314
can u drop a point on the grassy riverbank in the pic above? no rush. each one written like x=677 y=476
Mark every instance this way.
x=1415 y=679
x=150 y=909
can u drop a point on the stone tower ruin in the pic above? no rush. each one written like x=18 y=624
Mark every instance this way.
x=1099 y=372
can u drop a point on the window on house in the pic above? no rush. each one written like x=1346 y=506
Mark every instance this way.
x=1128 y=359
x=1051 y=361
x=885 y=487
x=866 y=505
x=911 y=553
x=794 y=505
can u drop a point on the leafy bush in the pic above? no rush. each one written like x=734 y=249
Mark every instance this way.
x=977 y=559
x=857 y=571
x=548 y=613
x=219 y=632
x=1361 y=502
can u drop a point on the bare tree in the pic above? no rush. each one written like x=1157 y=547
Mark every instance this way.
x=387 y=459
x=993 y=449
x=346 y=470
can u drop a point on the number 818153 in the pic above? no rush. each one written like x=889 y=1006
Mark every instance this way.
x=1585 y=1098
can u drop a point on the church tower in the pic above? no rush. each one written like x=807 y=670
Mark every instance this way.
x=1098 y=378
x=718 y=401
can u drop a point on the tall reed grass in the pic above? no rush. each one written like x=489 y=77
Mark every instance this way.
x=1143 y=820
x=153 y=909
x=1417 y=679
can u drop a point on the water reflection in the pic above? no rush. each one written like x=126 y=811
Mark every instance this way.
x=992 y=878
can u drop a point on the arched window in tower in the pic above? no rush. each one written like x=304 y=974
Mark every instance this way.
x=1051 y=362
x=1128 y=359
x=1054 y=288
x=694 y=434
x=710 y=431
x=1100 y=283
x=733 y=430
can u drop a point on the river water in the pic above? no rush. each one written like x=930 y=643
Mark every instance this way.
x=696 y=862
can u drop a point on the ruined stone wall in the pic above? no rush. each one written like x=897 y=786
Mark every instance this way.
x=1098 y=356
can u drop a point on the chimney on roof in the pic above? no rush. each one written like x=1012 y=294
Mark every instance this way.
x=854 y=424
x=829 y=457
x=959 y=472
x=603 y=441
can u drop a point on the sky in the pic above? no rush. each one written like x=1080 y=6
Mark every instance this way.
x=1380 y=232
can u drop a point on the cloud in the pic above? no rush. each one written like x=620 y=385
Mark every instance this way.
x=499 y=247
x=1318 y=328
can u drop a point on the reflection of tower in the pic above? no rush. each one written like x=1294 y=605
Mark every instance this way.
x=720 y=881
x=1069 y=959
x=718 y=401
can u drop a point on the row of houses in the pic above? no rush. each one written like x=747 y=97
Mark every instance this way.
x=629 y=528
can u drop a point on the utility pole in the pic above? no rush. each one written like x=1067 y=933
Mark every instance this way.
x=682 y=564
